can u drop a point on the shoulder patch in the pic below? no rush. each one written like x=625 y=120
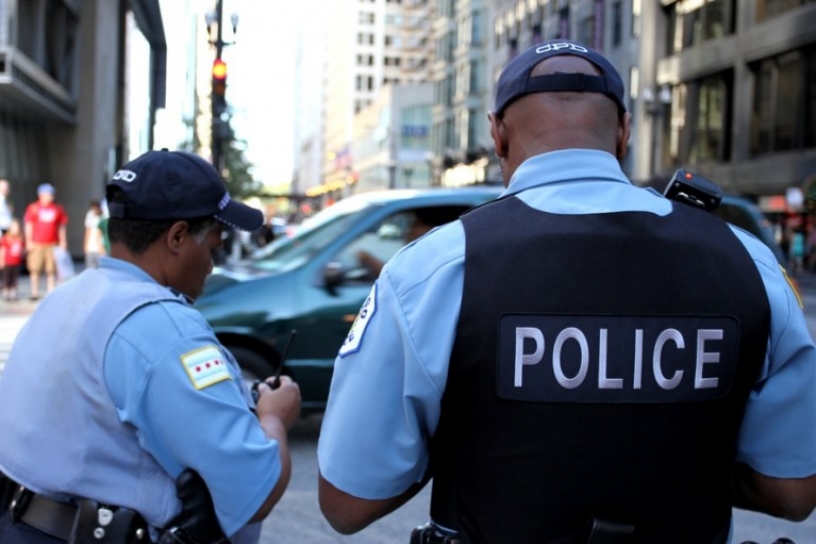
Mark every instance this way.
x=355 y=335
x=205 y=366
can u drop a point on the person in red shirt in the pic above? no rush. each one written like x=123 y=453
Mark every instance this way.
x=45 y=228
x=11 y=257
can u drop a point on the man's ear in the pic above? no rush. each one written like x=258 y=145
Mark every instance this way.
x=176 y=236
x=499 y=134
x=624 y=131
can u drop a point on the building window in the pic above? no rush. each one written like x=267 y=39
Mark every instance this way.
x=702 y=110
x=586 y=31
x=476 y=30
x=365 y=18
x=767 y=9
x=713 y=105
x=476 y=77
x=692 y=22
x=617 y=24
x=784 y=103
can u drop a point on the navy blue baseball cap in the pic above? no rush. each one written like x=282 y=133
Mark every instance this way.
x=168 y=185
x=515 y=80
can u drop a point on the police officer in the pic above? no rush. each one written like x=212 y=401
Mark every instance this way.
x=581 y=358
x=116 y=384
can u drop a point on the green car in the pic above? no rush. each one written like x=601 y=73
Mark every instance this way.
x=315 y=282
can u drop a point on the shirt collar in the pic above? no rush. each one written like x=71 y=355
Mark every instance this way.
x=566 y=166
x=134 y=272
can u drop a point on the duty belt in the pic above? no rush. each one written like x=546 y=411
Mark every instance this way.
x=51 y=517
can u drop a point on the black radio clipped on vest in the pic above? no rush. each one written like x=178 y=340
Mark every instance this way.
x=693 y=190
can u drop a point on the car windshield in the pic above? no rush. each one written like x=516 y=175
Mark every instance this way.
x=310 y=237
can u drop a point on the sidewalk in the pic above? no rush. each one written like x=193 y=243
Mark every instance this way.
x=24 y=305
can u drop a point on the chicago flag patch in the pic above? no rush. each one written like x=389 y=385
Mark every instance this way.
x=205 y=366
x=355 y=335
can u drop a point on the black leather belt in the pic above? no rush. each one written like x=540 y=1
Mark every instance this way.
x=51 y=517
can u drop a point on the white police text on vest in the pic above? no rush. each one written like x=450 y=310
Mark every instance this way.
x=621 y=359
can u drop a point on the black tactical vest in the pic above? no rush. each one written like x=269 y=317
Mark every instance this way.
x=600 y=368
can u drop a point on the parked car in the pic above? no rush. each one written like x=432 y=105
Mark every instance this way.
x=313 y=283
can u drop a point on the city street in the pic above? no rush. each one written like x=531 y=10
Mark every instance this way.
x=297 y=518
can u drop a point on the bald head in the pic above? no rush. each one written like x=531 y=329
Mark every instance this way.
x=539 y=122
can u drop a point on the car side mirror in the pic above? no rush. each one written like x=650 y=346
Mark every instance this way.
x=333 y=276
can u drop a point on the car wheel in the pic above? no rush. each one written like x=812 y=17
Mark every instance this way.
x=253 y=365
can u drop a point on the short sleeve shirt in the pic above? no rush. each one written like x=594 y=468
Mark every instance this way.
x=46 y=221
x=398 y=366
x=170 y=378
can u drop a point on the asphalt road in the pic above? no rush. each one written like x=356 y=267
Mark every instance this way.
x=297 y=518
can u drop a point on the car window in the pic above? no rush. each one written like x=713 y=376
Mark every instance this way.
x=312 y=236
x=362 y=259
x=380 y=242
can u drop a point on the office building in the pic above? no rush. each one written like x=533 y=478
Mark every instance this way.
x=65 y=113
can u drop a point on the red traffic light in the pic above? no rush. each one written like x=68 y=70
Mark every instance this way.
x=219 y=70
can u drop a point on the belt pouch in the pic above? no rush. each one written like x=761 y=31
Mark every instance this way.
x=99 y=524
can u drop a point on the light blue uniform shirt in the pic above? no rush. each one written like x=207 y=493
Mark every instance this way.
x=136 y=388
x=182 y=421
x=384 y=402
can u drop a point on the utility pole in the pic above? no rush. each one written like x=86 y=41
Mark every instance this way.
x=221 y=132
x=217 y=98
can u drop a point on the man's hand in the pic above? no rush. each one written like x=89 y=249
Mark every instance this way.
x=277 y=411
x=282 y=402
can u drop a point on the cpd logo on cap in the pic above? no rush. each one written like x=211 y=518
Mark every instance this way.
x=561 y=45
x=124 y=175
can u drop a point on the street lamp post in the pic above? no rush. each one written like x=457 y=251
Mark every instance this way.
x=219 y=114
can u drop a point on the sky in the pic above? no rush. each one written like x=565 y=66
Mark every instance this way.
x=261 y=64
x=261 y=84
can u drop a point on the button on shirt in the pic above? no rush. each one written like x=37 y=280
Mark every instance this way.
x=181 y=420
x=398 y=369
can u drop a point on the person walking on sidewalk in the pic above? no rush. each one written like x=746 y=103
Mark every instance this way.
x=45 y=228
x=6 y=209
x=11 y=257
x=93 y=245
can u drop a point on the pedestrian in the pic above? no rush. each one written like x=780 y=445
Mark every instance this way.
x=581 y=356
x=124 y=389
x=797 y=252
x=45 y=229
x=11 y=257
x=93 y=245
x=6 y=209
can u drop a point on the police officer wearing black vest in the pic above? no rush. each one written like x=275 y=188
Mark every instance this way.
x=581 y=359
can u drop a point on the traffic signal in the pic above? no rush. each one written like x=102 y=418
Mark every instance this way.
x=219 y=72
x=219 y=87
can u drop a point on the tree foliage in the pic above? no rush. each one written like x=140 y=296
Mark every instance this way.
x=238 y=170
